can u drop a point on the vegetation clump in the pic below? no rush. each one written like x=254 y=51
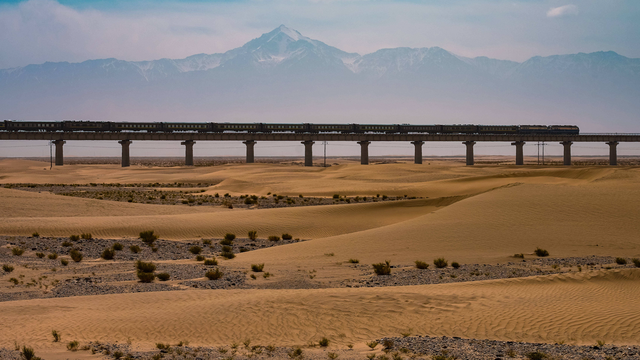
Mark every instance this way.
x=541 y=252
x=440 y=263
x=145 y=271
x=56 y=336
x=40 y=255
x=7 y=268
x=134 y=249
x=287 y=236
x=382 y=268
x=636 y=262
x=211 y=262
x=52 y=256
x=64 y=262
x=163 y=276
x=621 y=261
x=252 y=235
x=214 y=274
x=257 y=267
x=536 y=355
x=195 y=250
x=274 y=238
x=455 y=265
x=16 y=251
x=117 y=246
x=86 y=236
x=354 y=261
x=324 y=342
x=76 y=255
x=108 y=254
x=421 y=265
x=148 y=237
x=73 y=345
x=35 y=234
x=67 y=243
x=28 y=353
x=74 y=237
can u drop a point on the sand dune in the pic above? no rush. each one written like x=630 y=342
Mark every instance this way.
x=577 y=308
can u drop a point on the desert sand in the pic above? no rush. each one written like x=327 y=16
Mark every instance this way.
x=473 y=215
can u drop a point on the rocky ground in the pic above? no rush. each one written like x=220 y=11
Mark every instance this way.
x=190 y=194
x=402 y=275
x=410 y=347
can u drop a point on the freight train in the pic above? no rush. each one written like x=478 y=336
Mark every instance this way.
x=170 y=127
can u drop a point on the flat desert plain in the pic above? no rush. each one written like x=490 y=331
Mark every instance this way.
x=488 y=219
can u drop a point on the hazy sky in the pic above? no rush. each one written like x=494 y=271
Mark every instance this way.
x=36 y=31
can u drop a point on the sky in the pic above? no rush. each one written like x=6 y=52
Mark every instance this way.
x=36 y=31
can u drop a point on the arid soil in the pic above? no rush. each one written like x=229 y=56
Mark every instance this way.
x=499 y=300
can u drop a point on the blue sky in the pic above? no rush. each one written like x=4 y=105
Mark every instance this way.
x=35 y=31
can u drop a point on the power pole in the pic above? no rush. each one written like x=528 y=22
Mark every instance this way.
x=50 y=155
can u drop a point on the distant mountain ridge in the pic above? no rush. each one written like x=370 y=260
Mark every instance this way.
x=311 y=75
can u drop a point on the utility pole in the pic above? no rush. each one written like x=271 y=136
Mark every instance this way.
x=50 y=155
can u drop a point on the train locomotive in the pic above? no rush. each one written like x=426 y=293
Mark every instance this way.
x=170 y=127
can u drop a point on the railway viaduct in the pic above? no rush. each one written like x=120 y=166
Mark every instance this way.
x=189 y=139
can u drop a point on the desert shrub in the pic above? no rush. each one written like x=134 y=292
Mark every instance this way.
x=274 y=238
x=440 y=263
x=229 y=236
x=227 y=248
x=372 y=344
x=536 y=355
x=354 y=261
x=162 y=346
x=206 y=242
x=67 y=243
x=287 y=237
x=226 y=242
x=621 y=261
x=108 y=254
x=134 y=249
x=7 y=268
x=40 y=255
x=214 y=274
x=154 y=249
x=35 y=234
x=455 y=265
x=74 y=237
x=295 y=353
x=76 y=255
x=146 y=277
x=56 y=336
x=163 y=276
x=86 y=236
x=148 y=237
x=382 y=268
x=227 y=255
x=52 y=256
x=211 y=262
x=14 y=281
x=421 y=264
x=28 y=353
x=324 y=342
x=636 y=262
x=64 y=262
x=147 y=267
x=253 y=234
x=200 y=258
x=195 y=250
x=118 y=355
x=257 y=267
x=117 y=246
x=336 y=196
x=520 y=256
x=73 y=345
x=387 y=343
x=16 y=251
x=541 y=252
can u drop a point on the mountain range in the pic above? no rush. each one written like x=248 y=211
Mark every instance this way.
x=285 y=76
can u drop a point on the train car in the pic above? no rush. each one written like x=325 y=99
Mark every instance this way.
x=459 y=129
x=3 y=125
x=325 y=128
x=283 y=128
x=497 y=129
x=423 y=129
x=564 y=129
x=34 y=126
x=129 y=126
x=190 y=127
x=375 y=128
x=98 y=126
x=238 y=127
x=533 y=129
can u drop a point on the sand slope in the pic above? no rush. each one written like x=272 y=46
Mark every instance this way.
x=578 y=308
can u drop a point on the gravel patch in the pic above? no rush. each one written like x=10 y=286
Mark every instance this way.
x=405 y=275
x=472 y=349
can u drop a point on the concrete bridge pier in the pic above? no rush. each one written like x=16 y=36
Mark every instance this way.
x=250 y=144
x=59 y=152
x=567 y=152
x=418 y=153
x=308 y=152
x=519 y=152
x=125 y=152
x=613 y=153
x=188 y=156
x=364 y=152
x=469 y=151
